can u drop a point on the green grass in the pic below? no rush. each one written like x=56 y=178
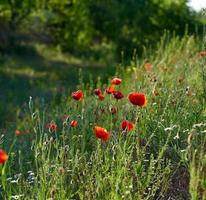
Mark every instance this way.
x=37 y=70
x=162 y=158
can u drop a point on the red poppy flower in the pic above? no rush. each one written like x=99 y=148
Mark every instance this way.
x=116 y=81
x=138 y=99
x=118 y=95
x=101 y=133
x=110 y=89
x=73 y=123
x=97 y=92
x=52 y=126
x=101 y=97
x=129 y=126
x=148 y=66
x=3 y=156
x=17 y=132
x=202 y=53
x=78 y=95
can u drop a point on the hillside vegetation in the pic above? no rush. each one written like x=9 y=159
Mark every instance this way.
x=159 y=153
x=44 y=43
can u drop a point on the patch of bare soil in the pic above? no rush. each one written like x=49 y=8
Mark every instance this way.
x=179 y=186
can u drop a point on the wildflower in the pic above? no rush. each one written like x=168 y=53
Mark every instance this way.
x=97 y=92
x=202 y=54
x=129 y=126
x=3 y=156
x=137 y=98
x=77 y=95
x=73 y=123
x=110 y=89
x=52 y=126
x=101 y=97
x=118 y=95
x=148 y=66
x=116 y=81
x=101 y=133
x=17 y=132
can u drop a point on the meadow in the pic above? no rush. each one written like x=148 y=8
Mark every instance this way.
x=41 y=71
x=139 y=135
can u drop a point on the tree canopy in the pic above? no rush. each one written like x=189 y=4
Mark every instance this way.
x=75 y=25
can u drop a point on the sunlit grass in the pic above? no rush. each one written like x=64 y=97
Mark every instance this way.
x=161 y=155
x=26 y=71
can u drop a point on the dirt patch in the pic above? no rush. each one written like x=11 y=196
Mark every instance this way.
x=179 y=186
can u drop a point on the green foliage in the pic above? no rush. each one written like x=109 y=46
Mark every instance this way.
x=76 y=26
x=14 y=11
x=163 y=155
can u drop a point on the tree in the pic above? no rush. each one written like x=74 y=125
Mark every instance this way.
x=16 y=11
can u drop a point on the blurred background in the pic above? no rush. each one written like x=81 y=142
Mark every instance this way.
x=45 y=43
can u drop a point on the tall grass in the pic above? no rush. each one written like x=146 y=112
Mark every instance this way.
x=162 y=158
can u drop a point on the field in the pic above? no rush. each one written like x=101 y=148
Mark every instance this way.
x=158 y=154
x=41 y=71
